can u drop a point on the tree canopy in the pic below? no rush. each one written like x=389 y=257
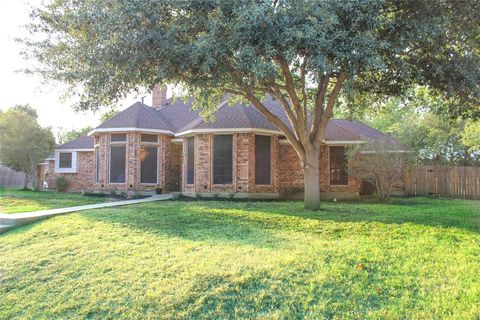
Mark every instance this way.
x=23 y=142
x=301 y=52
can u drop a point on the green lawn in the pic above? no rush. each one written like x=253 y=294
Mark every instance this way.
x=14 y=201
x=410 y=259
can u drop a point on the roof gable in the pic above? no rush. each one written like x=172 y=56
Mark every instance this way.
x=82 y=143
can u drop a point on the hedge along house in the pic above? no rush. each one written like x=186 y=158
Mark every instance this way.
x=169 y=145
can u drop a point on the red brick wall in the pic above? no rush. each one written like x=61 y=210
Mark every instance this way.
x=84 y=179
x=168 y=162
x=291 y=174
x=243 y=165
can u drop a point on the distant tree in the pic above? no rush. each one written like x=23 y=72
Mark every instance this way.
x=108 y=115
x=64 y=136
x=302 y=52
x=471 y=135
x=419 y=119
x=27 y=109
x=378 y=162
x=23 y=142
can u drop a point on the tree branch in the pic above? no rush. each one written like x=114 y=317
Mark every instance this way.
x=286 y=106
x=276 y=121
x=290 y=88
x=318 y=108
x=328 y=113
x=303 y=85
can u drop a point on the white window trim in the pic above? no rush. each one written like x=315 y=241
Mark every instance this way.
x=72 y=169
x=130 y=129
x=227 y=131
x=329 y=143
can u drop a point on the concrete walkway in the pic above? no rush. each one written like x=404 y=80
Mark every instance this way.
x=9 y=221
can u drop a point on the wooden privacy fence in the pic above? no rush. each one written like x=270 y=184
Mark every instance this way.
x=447 y=181
x=10 y=178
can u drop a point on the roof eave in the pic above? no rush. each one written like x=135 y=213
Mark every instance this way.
x=228 y=131
x=130 y=129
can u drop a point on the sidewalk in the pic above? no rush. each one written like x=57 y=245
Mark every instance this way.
x=9 y=221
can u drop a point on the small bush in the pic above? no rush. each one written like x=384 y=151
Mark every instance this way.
x=288 y=193
x=61 y=183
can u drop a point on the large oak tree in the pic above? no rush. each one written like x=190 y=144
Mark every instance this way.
x=302 y=52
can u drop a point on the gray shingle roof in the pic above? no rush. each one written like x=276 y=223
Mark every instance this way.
x=178 y=117
x=84 y=142
x=138 y=115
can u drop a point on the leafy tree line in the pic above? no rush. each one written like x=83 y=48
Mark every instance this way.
x=23 y=142
x=305 y=53
x=420 y=120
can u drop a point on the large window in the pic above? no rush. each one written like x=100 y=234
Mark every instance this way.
x=97 y=165
x=222 y=159
x=338 y=166
x=117 y=164
x=262 y=160
x=148 y=170
x=65 y=160
x=191 y=160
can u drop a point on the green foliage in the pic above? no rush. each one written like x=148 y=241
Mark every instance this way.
x=23 y=142
x=61 y=183
x=109 y=114
x=408 y=259
x=26 y=109
x=64 y=136
x=383 y=46
x=471 y=135
x=420 y=120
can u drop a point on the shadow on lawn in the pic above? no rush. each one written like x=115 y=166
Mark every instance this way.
x=195 y=223
x=445 y=213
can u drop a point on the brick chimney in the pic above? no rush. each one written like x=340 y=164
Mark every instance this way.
x=159 y=96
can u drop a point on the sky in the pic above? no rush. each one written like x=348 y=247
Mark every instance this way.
x=19 y=88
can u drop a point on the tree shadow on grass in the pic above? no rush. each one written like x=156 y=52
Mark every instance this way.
x=194 y=223
x=426 y=212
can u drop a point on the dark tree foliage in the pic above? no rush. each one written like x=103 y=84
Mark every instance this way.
x=302 y=52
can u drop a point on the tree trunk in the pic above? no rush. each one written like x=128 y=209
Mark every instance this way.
x=25 y=182
x=311 y=170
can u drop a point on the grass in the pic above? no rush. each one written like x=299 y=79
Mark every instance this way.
x=14 y=201
x=409 y=259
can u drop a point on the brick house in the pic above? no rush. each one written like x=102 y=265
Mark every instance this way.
x=169 y=145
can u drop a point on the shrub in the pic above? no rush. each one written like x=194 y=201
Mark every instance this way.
x=61 y=183
x=288 y=193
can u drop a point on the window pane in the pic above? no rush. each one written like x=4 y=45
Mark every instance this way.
x=262 y=160
x=190 y=160
x=117 y=164
x=149 y=137
x=148 y=170
x=222 y=159
x=338 y=166
x=65 y=160
x=118 y=137
x=97 y=164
